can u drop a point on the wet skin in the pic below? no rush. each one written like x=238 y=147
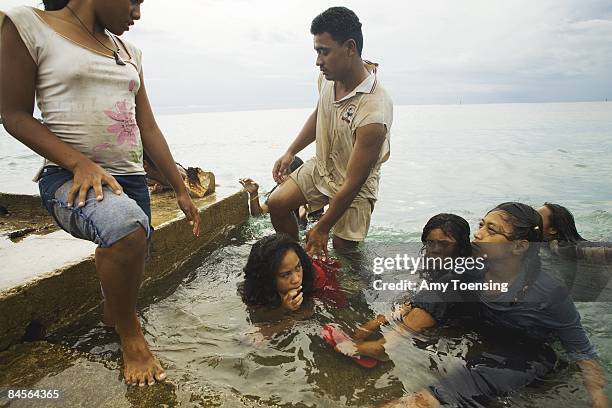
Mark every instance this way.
x=289 y=281
x=116 y=16
x=493 y=239
x=332 y=56
x=439 y=245
x=550 y=232
x=120 y=266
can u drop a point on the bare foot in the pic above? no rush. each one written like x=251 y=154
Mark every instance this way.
x=108 y=319
x=140 y=367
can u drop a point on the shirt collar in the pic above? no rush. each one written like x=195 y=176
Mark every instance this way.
x=368 y=85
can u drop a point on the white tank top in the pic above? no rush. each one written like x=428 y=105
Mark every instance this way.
x=85 y=98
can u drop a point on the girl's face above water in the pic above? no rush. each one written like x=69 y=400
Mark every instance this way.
x=493 y=237
x=440 y=245
x=289 y=275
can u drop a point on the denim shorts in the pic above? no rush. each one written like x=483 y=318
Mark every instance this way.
x=102 y=222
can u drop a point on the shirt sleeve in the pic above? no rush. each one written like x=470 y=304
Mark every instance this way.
x=135 y=54
x=376 y=108
x=569 y=330
x=599 y=255
x=373 y=109
x=433 y=303
x=139 y=60
x=29 y=30
x=440 y=303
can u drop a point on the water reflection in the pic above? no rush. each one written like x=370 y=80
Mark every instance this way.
x=218 y=352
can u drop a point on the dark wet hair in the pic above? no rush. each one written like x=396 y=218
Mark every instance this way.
x=526 y=224
x=341 y=23
x=562 y=220
x=259 y=286
x=51 y=5
x=455 y=227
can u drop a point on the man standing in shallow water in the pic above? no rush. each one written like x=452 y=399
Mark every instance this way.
x=351 y=125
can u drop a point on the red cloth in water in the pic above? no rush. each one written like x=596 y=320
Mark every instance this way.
x=325 y=281
x=334 y=335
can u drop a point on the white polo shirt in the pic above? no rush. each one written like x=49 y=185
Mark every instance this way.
x=337 y=123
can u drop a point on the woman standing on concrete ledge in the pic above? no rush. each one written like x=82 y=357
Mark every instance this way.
x=97 y=121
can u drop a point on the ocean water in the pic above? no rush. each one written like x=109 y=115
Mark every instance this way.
x=463 y=159
x=460 y=158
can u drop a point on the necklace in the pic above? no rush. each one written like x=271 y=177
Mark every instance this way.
x=118 y=59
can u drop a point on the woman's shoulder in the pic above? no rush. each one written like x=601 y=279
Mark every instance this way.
x=133 y=50
x=22 y=14
x=18 y=14
x=19 y=10
x=31 y=28
x=130 y=45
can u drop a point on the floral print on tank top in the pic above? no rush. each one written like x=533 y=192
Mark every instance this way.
x=125 y=128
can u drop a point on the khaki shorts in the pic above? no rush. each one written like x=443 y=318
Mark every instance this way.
x=354 y=223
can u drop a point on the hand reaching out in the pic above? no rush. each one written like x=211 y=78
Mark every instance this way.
x=316 y=243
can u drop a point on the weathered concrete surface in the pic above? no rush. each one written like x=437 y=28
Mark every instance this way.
x=25 y=214
x=76 y=376
x=50 y=280
x=85 y=380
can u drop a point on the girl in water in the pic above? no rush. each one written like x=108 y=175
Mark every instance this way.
x=97 y=122
x=444 y=236
x=583 y=266
x=523 y=321
x=279 y=273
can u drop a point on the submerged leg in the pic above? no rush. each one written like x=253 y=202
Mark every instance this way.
x=343 y=245
x=120 y=268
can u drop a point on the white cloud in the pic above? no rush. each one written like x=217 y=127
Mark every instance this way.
x=259 y=53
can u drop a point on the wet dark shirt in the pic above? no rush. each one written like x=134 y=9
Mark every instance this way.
x=545 y=313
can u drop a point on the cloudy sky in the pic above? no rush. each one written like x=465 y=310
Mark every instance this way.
x=202 y=55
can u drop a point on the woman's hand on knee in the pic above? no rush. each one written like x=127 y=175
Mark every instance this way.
x=87 y=175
